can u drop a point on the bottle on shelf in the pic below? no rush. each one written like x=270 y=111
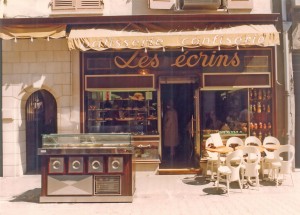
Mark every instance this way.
x=258 y=110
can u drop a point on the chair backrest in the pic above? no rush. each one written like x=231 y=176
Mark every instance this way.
x=270 y=140
x=234 y=162
x=217 y=139
x=252 y=140
x=285 y=155
x=234 y=140
x=251 y=159
x=208 y=143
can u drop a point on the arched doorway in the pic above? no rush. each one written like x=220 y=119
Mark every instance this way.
x=41 y=118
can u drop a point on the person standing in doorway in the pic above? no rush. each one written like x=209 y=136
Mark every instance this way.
x=170 y=123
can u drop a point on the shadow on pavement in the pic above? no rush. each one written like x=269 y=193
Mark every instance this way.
x=215 y=190
x=195 y=180
x=28 y=196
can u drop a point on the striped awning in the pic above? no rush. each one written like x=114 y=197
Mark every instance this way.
x=32 y=31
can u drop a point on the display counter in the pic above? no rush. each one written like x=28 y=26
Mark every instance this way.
x=87 y=168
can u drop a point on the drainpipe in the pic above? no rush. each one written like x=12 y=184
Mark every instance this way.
x=1 y=133
x=287 y=75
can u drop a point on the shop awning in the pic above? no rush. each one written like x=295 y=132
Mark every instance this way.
x=32 y=31
x=139 y=36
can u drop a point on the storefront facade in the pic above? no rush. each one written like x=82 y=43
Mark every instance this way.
x=123 y=85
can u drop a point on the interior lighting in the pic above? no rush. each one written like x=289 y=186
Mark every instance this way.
x=219 y=48
x=31 y=39
x=146 y=50
x=182 y=49
x=48 y=38
x=16 y=39
x=164 y=50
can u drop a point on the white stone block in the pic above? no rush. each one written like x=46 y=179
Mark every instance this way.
x=53 y=67
x=7 y=68
x=66 y=67
x=65 y=102
x=7 y=45
x=8 y=102
x=37 y=68
x=61 y=56
x=57 y=45
x=7 y=90
x=12 y=171
x=28 y=57
x=45 y=56
x=8 y=114
x=66 y=90
x=11 y=159
x=20 y=45
x=21 y=68
x=11 y=57
x=58 y=90
x=12 y=148
x=49 y=80
x=59 y=79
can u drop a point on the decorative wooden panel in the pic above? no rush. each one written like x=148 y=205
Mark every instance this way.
x=119 y=82
x=237 y=80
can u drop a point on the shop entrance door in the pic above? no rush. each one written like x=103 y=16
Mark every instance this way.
x=177 y=144
x=41 y=112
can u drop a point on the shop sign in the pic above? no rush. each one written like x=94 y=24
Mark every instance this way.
x=186 y=59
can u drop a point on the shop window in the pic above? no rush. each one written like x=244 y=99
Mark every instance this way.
x=123 y=111
x=237 y=112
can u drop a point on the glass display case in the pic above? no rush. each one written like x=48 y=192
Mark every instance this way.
x=87 y=168
x=85 y=140
x=117 y=112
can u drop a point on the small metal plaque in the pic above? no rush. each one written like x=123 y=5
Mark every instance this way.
x=107 y=185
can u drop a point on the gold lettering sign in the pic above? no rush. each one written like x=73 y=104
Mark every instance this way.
x=137 y=62
x=200 y=59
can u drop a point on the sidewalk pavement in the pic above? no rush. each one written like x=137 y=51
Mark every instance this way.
x=160 y=194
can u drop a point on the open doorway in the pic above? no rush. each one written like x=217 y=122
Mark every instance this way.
x=41 y=112
x=181 y=95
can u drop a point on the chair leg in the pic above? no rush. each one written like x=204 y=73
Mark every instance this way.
x=257 y=182
x=263 y=169
x=218 y=179
x=276 y=175
x=292 y=178
x=227 y=180
x=243 y=178
x=240 y=185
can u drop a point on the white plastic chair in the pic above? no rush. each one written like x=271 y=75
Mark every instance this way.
x=269 y=158
x=252 y=140
x=284 y=157
x=234 y=140
x=212 y=159
x=250 y=166
x=232 y=169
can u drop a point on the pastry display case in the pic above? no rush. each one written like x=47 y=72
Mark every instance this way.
x=87 y=168
x=126 y=111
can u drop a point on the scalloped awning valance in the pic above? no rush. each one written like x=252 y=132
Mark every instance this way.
x=153 y=36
